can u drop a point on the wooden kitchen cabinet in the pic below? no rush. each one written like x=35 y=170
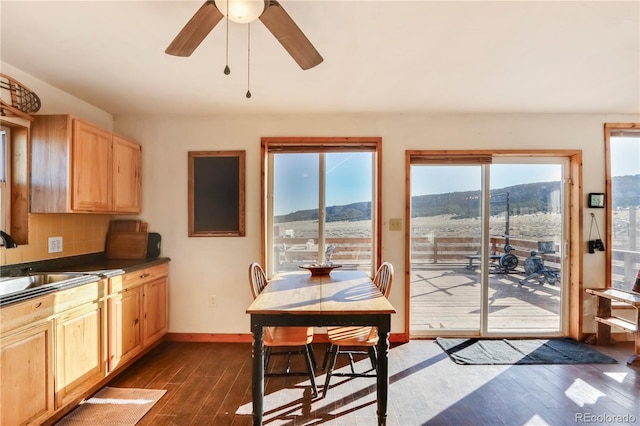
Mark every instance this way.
x=125 y=326
x=26 y=370
x=59 y=348
x=80 y=350
x=155 y=310
x=27 y=361
x=127 y=185
x=79 y=167
x=138 y=312
x=91 y=165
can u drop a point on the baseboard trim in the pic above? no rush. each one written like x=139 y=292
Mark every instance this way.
x=247 y=338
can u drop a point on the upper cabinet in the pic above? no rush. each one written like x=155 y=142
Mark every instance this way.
x=77 y=167
x=127 y=158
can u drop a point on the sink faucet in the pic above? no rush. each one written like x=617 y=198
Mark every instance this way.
x=8 y=241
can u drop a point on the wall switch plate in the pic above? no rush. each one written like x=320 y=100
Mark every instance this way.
x=395 y=224
x=212 y=301
x=55 y=244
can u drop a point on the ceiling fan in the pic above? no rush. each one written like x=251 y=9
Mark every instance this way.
x=270 y=12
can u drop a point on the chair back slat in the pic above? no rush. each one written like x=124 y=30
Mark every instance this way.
x=383 y=278
x=257 y=279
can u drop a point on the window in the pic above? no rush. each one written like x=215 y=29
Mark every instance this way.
x=322 y=202
x=14 y=180
x=622 y=143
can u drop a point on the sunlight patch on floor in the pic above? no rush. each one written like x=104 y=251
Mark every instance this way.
x=582 y=393
x=617 y=376
x=536 y=420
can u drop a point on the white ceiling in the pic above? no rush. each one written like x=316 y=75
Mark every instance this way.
x=379 y=56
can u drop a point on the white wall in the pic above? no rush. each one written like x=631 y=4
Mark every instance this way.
x=55 y=101
x=204 y=266
x=218 y=266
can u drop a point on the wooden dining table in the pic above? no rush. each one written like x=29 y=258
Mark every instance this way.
x=343 y=298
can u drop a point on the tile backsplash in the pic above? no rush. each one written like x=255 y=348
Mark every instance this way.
x=81 y=234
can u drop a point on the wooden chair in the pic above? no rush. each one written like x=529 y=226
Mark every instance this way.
x=284 y=336
x=356 y=338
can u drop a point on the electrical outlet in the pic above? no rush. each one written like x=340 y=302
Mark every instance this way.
x=395 y=224
x=212 y=301
x=55 y=244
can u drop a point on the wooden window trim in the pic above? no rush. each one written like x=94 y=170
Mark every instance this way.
x=321 y=144
x=576 y=296
x=19 y=179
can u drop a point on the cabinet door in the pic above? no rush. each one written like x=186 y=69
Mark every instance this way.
x=125 y=339
x=155 y=310
x=79 y=349
x=127 y=162
x=26 y=375
x=92 y=166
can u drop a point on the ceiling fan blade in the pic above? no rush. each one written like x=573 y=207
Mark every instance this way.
x=285 y=30
x=198 y=27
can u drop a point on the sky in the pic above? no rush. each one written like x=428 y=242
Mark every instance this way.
x=625 y=156
x=349 y=176
x=427 y=180
x=296 y=180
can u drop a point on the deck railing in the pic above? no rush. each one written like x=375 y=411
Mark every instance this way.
x=350 y=252
x=624 y=267
x=356 y=252
x=438 y=250
x=452 y=250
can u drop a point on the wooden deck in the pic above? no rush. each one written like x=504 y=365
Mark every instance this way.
x=447 y=298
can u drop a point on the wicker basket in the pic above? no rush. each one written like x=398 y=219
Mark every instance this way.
x=24 y=102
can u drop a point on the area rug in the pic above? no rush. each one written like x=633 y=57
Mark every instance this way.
x=521 y=351
x=113 y=406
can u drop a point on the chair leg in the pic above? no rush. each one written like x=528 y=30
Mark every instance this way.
x=351 y=363
x=373 y=356
x=326 y=356
x=313 y=355
x=308 y=357
x=330 y=366
x=267 y=356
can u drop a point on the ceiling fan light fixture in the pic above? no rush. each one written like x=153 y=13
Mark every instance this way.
x=241 y=11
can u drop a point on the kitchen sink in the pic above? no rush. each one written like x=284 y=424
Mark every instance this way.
x=10 y=285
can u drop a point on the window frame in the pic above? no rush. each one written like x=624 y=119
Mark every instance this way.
x=5 y=181
x=610 y=128
x=18 y=178
x=321 y=144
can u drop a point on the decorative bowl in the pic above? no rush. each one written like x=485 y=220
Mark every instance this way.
x=320 y=269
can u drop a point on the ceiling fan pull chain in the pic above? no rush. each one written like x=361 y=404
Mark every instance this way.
x=227 y=71
x=248 y=59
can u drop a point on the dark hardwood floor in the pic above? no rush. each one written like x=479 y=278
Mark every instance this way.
x=210 y=384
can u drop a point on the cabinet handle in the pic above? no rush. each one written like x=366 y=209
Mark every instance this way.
x=38 y=305
x=145 y=275
x=136 y=321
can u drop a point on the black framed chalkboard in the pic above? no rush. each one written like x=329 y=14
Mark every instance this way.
x=216 y=193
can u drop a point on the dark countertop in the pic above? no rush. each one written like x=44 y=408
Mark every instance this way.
x=94 y=267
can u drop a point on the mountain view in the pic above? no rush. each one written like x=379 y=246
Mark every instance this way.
x=523 y=199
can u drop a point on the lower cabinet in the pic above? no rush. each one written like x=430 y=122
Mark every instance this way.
x=125 y=326
x=26 y=375
x=57 y=348
x=155 y=310
x=79 y=351
x=138 y=312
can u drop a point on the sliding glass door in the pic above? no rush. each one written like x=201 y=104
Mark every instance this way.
x=487 y=242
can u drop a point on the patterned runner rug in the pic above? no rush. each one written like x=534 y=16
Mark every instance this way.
x=113 y=406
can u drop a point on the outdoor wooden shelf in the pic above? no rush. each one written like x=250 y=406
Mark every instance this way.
x=606 y=319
